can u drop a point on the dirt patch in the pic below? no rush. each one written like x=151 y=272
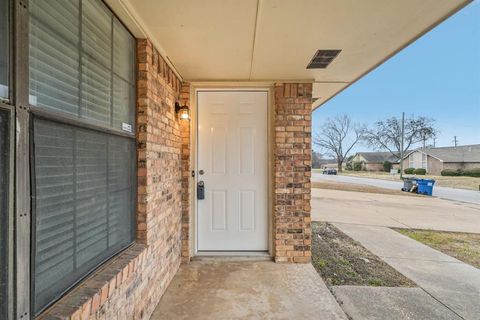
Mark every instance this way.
x=462 y=246
x=342 y=261
x=358 y=188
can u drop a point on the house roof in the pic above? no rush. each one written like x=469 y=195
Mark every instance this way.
x=268 y=41
x=378 y=157
x=469 y=153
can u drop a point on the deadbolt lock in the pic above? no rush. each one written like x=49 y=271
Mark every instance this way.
x=200 y=190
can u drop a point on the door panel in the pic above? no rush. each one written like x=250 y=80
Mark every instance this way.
x=232 y=152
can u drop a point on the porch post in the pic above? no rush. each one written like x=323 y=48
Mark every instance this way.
x=292 y=156
x=187 y=181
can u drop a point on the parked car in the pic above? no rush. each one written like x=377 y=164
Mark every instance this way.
x=330 y=171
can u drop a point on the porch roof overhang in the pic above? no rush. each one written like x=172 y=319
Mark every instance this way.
x=274 y=40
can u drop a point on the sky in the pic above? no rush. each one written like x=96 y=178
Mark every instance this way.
x=437 y=76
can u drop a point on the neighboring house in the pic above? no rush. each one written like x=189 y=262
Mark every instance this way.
x=434 y=160
x=328 y=163
x=319 y=163
x=135 y=135
x=373 y=161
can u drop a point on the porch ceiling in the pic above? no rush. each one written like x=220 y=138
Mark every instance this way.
x=274 y=40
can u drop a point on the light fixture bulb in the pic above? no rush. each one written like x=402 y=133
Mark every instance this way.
x=184 y=114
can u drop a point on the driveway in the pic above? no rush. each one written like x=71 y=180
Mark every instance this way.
x=441 y=192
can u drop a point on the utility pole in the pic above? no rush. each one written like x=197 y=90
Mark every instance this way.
x=434 y=141
x=455 y=141
x=401 y=145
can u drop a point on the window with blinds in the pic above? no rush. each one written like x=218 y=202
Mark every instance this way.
x=4 y=48
x=4 y=210
x=84 y=203
x=82 y=62
x=82 y=79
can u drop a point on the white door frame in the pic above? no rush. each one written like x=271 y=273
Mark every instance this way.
x=194 y=89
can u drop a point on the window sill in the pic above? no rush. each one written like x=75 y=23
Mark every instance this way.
x=90 y=294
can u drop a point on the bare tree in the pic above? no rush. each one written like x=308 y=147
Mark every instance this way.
x=387 y=134
x=338 y=136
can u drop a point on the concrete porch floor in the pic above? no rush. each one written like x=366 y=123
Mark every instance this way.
x=219 y=289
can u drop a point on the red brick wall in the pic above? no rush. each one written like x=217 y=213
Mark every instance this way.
x=434 y=166
x=160 y=172
x=131 y=285
x=373 y=166
x=292 y=156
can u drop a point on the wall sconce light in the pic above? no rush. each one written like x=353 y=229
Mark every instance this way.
x=182 y=111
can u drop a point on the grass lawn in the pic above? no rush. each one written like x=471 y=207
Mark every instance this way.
x=462 y=246
x=342 y=261
x=469 y=183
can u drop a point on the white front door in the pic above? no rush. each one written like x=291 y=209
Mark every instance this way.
x=232 y=163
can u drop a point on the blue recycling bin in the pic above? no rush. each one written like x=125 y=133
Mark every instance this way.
x=425 y=186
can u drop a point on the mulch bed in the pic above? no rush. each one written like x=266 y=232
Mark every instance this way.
x=342 y=261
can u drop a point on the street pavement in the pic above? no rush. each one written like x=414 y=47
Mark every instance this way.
x=401 y=211
x=469 y=196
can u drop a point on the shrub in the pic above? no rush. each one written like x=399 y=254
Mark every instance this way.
x=420 y=171
x=387 y=166
x=357 y=166
x=472 y=172
x=452 y=172
x=409 y=170
x=349 y=166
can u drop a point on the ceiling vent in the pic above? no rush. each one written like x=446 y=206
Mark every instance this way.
x=322 y=59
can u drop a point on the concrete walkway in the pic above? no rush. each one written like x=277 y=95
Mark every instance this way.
x=247 y=290
x=452 y=283
x=380 y=303
x=469 y=196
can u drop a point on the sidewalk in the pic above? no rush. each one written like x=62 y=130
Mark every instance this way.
x=450 y=282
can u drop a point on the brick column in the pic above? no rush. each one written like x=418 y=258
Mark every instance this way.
x=292 y=155
x=186 y=175
x=159 y=144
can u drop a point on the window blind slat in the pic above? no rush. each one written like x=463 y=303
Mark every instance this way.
x=61 y=18
x=123 y=53
x=54 y=207
x=96 y=90
x=97 y=31
x=54 y=79
x=124 y=95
